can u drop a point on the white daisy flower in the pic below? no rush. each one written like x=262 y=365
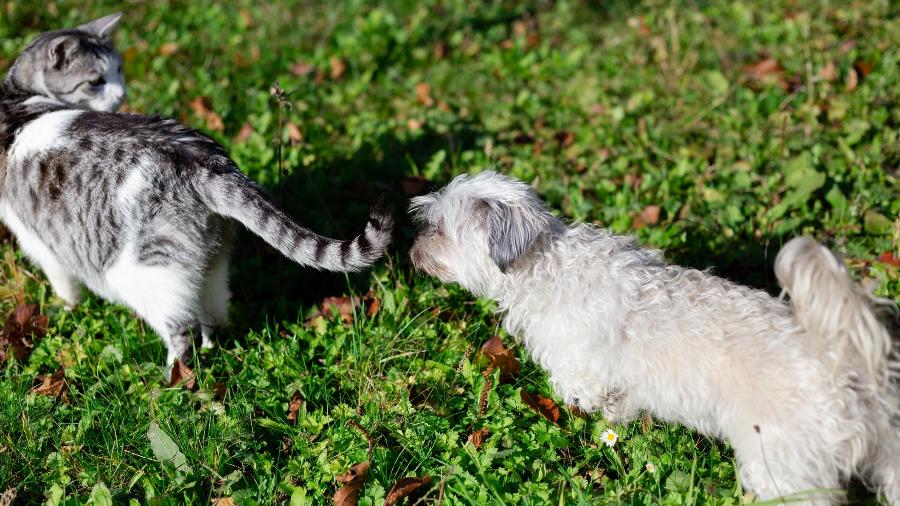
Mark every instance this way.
x=650 y=467
x=610 y=437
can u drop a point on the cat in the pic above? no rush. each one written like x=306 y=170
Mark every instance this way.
x=139 y=209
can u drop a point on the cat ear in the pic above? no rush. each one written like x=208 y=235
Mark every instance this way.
x=102 y=27
x=61 y=48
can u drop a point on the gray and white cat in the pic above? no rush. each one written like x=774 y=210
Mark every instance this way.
x=140 y=209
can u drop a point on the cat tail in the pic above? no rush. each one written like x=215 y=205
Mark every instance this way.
x=233 y=195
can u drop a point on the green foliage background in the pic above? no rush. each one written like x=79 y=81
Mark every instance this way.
x=607 y=107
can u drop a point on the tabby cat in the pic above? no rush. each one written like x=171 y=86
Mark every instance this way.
x=139 y=209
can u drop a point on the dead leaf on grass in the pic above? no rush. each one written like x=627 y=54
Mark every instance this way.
x=542 y=405
x=406 y=487
x=223 y=501
x=23 y=329
x=353 y=480
x=243 y=134
x=423 y=94
x=182 y=374
x=648 y=216
x=478 y=437
x=294 y=407
x=53 y=385
x=501 y=358
x=202 y=107
x=337 y=67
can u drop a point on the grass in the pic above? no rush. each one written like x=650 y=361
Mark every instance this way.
x=746 y=123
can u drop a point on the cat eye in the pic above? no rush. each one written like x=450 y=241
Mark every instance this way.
x=100 y=81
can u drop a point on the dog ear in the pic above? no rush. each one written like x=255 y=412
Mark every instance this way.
x=511 y=230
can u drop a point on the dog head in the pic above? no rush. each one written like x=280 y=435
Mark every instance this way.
x=475 y=229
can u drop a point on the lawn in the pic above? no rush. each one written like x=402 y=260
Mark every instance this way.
x=716 y=130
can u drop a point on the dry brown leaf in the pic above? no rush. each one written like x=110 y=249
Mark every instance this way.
x=764 y=72
x=576 y=410
x=223 y=501
x=564 y=138
x=649 y=216
x=294 y=133
x=540 y=404
x=501 y=358
x=374 y=307
x=302 y=68
x=405 y=487
x=337 y=67
x=168 y=49
x=203 y=109
x=294 y=407
x=353 y=480
x=852 y=80
x=23 y=329
x=414 y=124
x=181 y=373
x=244 y=134
x=646 y=423
x=219 y=391
x=53 y=385
x=423 y=94
x=889 y=258
x=478 y=437
x=862 y=68
x=828 y=72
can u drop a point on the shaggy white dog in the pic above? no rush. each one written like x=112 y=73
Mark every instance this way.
x=804 y=391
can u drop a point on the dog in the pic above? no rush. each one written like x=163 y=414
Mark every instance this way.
x=805 y=391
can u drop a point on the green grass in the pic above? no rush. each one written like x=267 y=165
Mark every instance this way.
x=608 y=107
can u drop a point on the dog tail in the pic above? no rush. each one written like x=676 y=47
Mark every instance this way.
x=838 y=311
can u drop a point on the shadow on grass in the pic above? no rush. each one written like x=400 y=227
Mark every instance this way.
x=334 y=201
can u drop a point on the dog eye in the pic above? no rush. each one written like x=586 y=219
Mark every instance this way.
x=100 y=81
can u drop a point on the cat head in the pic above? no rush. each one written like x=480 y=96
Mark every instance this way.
x=77 y=66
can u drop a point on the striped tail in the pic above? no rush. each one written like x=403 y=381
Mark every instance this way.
x=230 y=193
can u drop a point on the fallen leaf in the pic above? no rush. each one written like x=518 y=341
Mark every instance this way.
x=182 y=374
x=501 y=358
x=765 y=72
x=223 y=501
x=852 y=80
x=374 y=307
x=168 y=49
x=294 y=407
x=294 y=133
x=648 y=216
x=337 y=67
x=23 y=329
x=353 y=480
x=564 y=138
x=576 y=410
x=540 y=404
x=863 y=68
x=53 y=385
x=414 y=124
x=302 y=68
x=203 y=109
x=244 y=134
x=165 y=449
x=344 y=306
x=423 y=94
x=405 y=487
x=478 y=437
x=646 y=423
x=828 y=72
x=889 y=258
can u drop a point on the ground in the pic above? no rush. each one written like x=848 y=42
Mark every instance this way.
x=716 y=130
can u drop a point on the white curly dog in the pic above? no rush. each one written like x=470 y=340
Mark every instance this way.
x=806 y=392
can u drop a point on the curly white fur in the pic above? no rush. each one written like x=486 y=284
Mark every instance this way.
x=803 y=391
